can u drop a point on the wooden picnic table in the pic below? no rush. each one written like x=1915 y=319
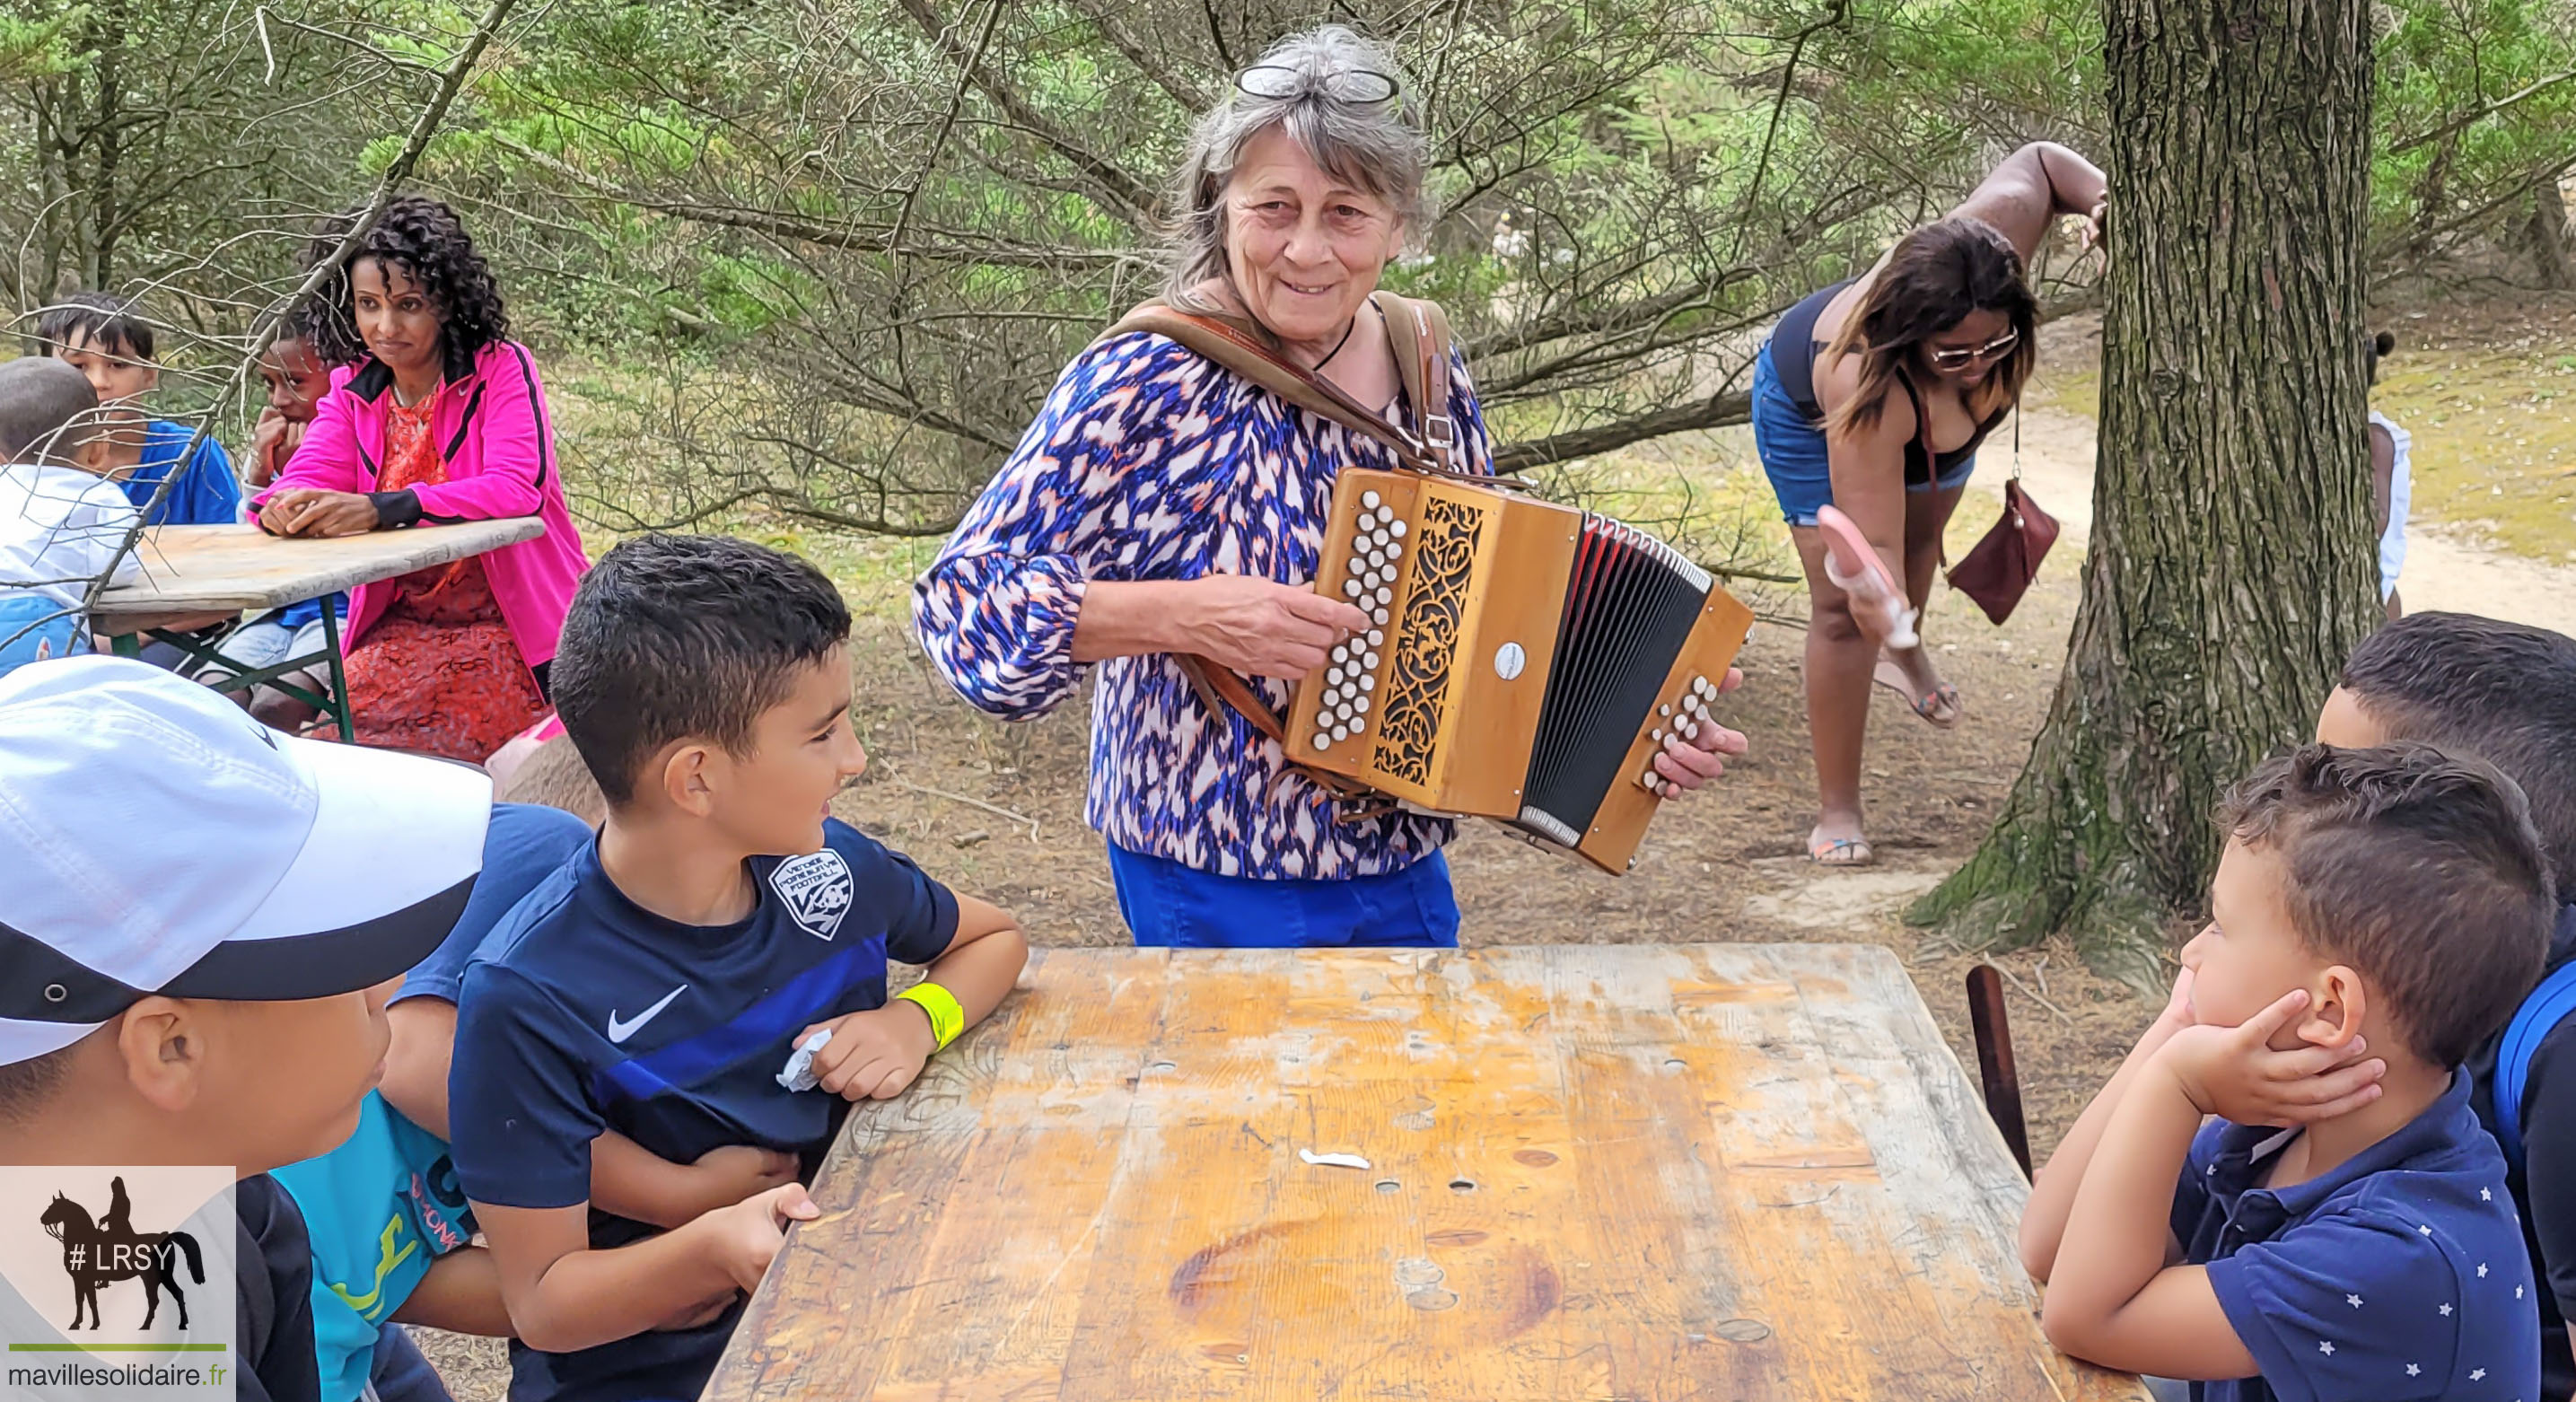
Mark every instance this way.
x=198 y=570
x=192 y=577
x=1647 y=1173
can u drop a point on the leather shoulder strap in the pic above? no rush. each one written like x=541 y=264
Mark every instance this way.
x=1244 y=348
x=1418 y=333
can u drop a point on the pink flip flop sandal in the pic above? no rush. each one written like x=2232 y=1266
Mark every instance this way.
x=1854 y=568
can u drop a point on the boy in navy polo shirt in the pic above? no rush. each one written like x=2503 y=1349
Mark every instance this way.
x=2505 y=692
x=2375 y=913
x=659 y=984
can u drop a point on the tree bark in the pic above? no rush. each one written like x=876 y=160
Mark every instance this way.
x=2232 y=566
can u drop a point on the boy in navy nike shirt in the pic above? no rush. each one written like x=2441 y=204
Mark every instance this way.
x=659 y=983
x=2376 y=913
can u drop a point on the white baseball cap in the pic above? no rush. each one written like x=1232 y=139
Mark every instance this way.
x=156 y=839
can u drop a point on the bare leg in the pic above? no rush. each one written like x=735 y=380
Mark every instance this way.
x=1927 y=514
x=2395 y=607
x=1839 y=658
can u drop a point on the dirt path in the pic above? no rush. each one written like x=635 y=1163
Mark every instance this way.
x=2446 y=568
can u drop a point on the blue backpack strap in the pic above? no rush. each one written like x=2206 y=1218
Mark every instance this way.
x=2532 y=1023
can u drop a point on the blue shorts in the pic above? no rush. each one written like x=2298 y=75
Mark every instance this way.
x=1168 y=904
x=1792 y=449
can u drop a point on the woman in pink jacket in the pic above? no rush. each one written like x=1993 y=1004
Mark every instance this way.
x=434 y=416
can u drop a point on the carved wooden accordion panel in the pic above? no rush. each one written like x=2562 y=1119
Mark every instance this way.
x=1524 y=663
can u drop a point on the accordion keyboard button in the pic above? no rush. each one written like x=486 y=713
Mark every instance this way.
x=1385 y=596
x=1351 y=588
x=1341 y=732
x=1689 y=728
x=1323 y=739
x=1701 y=688
x=1396 y=529
x=1369 y=500
x=1367 y=682
x=1369 y=661
x=1663 y=710
x=1375 y=637
x=1359 y=564
x=1379 y=616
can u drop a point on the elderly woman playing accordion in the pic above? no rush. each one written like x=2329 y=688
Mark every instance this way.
x=1162 y=505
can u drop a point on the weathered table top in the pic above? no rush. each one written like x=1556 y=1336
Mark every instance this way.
x=1723 y=1172
x=203 y=569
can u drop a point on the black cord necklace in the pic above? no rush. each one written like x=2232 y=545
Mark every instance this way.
x=1337 y=345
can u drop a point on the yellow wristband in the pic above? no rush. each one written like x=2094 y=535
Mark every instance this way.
x=947 y=1019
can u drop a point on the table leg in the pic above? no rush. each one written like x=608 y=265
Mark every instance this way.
x=339 y=675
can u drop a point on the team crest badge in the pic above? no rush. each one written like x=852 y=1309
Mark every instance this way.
x=817 y=889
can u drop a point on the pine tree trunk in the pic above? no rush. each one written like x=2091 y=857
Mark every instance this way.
x=2232 y=565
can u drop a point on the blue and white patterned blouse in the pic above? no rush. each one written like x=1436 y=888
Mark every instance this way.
x=1151 y=463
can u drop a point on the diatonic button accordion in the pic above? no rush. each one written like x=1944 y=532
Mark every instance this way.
x=1524 y=660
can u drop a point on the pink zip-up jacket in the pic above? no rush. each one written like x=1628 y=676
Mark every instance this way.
x=498 y=439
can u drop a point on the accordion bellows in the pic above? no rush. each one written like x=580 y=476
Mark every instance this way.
x=1525 y=663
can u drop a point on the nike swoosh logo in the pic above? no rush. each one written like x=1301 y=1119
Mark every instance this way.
x=619 y=1031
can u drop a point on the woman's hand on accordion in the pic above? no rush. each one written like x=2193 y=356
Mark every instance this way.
x=1263 y=628
x=1687 y=764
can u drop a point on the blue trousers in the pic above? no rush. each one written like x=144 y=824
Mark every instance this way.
x=1166 y=903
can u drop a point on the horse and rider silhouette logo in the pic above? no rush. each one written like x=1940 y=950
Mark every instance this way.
x=106 y=1250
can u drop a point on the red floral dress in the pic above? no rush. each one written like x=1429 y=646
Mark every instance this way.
x=439 y=671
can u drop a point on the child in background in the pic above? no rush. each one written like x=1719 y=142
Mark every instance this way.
x=61 y=522
x=2375 y=914
x=109 y=340
x=658 y=984
x=2392 y=482
x=290 y=885
x=297 y=379
x=2507 y=694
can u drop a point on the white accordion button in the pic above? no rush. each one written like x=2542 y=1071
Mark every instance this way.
x=1341 y=732
x=1398 y=529
x=1385 y=596
x=1342 y=651
x=1700 y=687
x=1650 y=780
x=1663 y=710
x=1368 y=660
x=1360 y=704
x=1360 y=564
x=1367 y=683
x=1378 y=616
x=1689 y=728
x=1369 y=500
x=1351 y=588
x=1323 y=739
x=1509 y=659
x=1375 y=637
